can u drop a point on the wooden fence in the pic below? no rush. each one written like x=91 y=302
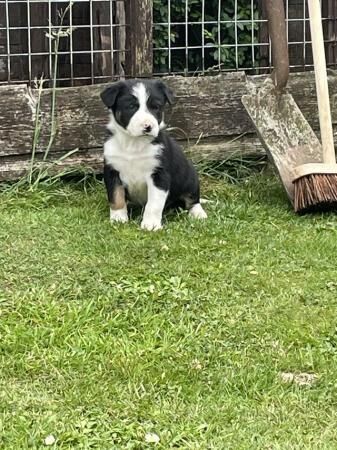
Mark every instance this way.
x=207 y=109
x=208 y=115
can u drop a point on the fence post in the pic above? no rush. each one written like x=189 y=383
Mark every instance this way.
x=139 y=19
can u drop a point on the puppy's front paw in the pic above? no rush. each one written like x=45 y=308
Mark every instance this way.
x=118 y=215
x=197 y=212
x=151 y=223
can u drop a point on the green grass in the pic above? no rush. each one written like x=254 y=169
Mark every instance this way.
x=109 y=332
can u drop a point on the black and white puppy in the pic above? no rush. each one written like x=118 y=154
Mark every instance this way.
x=142 y=163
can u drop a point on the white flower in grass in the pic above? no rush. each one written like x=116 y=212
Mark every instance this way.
x=152 y=438
x=49 y=440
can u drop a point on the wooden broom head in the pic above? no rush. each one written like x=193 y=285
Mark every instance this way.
x=313 y=168
x=315 y=188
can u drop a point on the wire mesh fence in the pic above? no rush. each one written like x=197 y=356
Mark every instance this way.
x=196 y=36
x=189 y=37
x=91 y=45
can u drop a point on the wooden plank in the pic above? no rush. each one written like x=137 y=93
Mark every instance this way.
x=205 y=107
x=208 y=105
x=281 y=126
x=242 y=146
x=139 y=38
x=14 y=167
x=16 y=118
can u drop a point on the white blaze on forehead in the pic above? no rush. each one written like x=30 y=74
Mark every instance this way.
x=142 y=119
x=139 y=91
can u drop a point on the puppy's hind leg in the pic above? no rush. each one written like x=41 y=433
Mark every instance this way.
x=192 y=202
x=197 y=211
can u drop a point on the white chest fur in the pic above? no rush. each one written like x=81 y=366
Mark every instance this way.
x=135 y=159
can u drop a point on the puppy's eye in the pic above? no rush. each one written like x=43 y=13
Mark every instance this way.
x=132 y=106
x=156 y=107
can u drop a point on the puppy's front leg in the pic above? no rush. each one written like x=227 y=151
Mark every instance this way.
x=116 y=195
x=156 y=198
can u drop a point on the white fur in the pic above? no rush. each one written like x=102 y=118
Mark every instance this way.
x=197 y=212
x=142 y=118
x=119 y=215
x=135 y=158
x=153 y=212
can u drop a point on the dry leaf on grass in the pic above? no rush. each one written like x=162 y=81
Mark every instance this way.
x=302 y=379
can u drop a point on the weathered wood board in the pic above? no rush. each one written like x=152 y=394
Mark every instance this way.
x=207 y=109
x=15 y=166
x=287 y=137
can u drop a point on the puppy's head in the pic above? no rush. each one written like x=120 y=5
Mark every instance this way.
x=138 y=105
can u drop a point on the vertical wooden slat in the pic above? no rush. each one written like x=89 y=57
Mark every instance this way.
x=102 y=39
x=19 y=43
x=119 y=39
x=81 y=43
x=109 y=38
x=330 y=31
x=139 y=62
x=263 y=37
x=39 y=41
x=3 y=45
x=297 y=55
x=295 y=33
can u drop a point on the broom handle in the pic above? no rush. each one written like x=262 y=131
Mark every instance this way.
x=321 y=82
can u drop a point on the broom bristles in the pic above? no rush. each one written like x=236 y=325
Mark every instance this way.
x=315 y=192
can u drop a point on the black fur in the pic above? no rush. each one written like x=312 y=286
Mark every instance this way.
x=111 y=180
x=176 y=174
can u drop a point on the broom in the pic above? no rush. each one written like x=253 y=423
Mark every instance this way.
x=316 y=184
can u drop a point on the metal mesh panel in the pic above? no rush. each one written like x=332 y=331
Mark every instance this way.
x=91 y=45
x=189 y=36
x=200 y=36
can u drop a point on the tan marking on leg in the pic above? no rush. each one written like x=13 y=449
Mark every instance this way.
x=118 y=198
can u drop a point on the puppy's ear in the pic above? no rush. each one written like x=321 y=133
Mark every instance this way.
x=168 y=93
x=109 y=95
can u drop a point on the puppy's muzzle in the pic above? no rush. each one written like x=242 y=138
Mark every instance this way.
x=147 y=129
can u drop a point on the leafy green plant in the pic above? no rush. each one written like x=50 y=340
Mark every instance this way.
x=227 y=45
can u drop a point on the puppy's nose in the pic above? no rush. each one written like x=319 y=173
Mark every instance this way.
x=147 y=128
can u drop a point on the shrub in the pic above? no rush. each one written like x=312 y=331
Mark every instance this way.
x=224 y=54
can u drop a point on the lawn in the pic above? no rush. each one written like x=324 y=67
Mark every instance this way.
x=214 y=335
